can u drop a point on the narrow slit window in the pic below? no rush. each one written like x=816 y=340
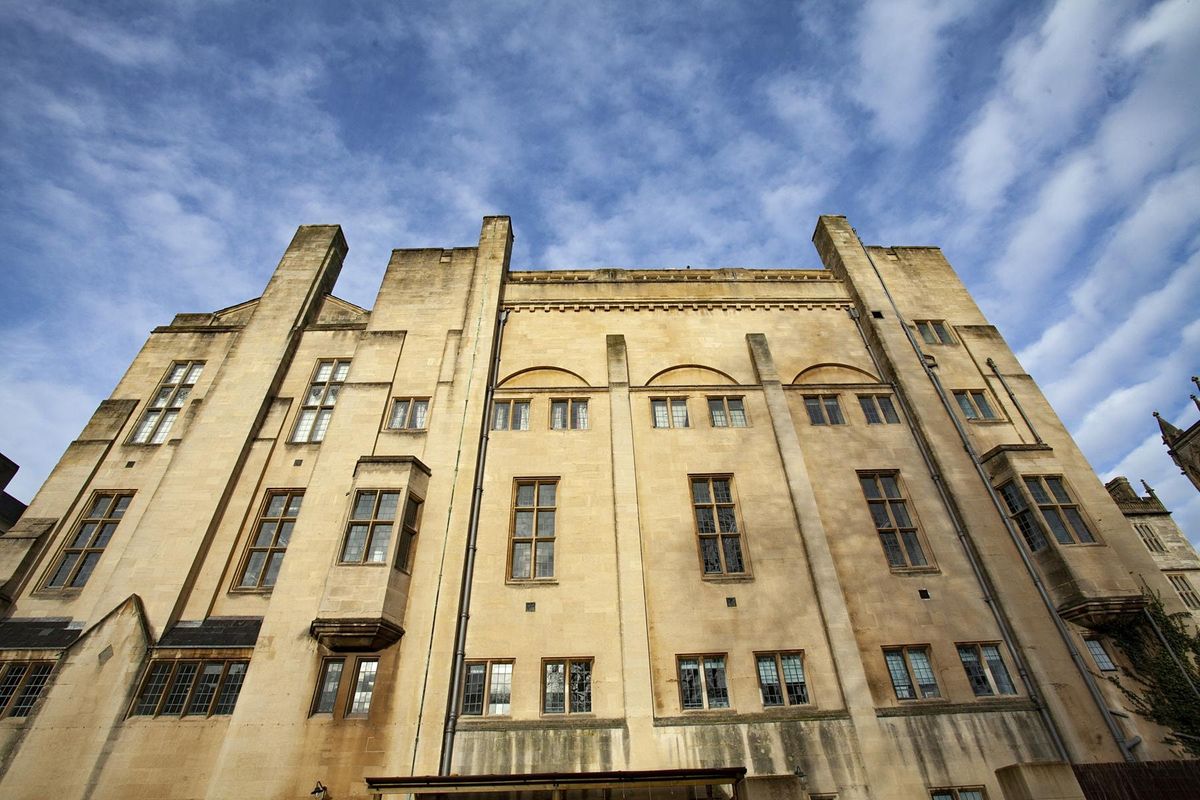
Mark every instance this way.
x=408 y=533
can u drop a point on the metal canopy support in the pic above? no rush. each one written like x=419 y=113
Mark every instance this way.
x=558 y=782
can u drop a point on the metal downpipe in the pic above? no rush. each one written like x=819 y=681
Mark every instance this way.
x=464 y=592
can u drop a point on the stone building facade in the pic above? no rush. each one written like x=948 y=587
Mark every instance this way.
x=1184 y=445
x=794 y=532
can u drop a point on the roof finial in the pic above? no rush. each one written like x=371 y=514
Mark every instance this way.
x=1196 y=400
x=1149 y=489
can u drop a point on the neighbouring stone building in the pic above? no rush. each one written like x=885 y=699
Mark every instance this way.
x=1167 y=544
x=1184 y=445
x=798 y=532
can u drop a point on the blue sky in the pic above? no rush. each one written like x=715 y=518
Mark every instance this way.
x=156 y=158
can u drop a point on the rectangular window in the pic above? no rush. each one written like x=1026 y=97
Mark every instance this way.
x=781 y=679
x=1100 y=655
x=1149 y=538
x=569 y=414
x=370 y=529
x=974 y=404
x=567 y=686
x=912 y=672
x=1058 y=512
x=510 y=415
x=896 y=527
x=21 y=684
x=934 y=332
x=957 y=793
x=87 y=541
x=409 y=413
x=878 y=409
x=1187 y=592
x=824 y=409
x=322 y=395
x=488 y=688
x=408 y=533
x=717 y=526
x=535 y=504
x=669 y=412
x=359 y=701
x=168 y=401
x=272 y=532
x=190 y=688
x=702 y=681
x=985 y=669
x=727 y=412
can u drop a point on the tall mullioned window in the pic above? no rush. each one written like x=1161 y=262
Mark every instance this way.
x=317 y=409
x=272 y=532
x=895 y=525
x=168 y=401
x=717 y=525
x=535 y=508
x=89 y=538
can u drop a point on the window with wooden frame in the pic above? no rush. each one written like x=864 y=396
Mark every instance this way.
x=957 y=793
x=535 y=507
x=168 y=400
x=408 y=414
x=1149 y=538
x=21 y=684
x=408 y=533
x=1100 y=656
x=911 y=672
x=487 y=689
x=975 y=405
x=1056 y=511
x=878 y=409
x=1187 y=592
x=702 y=681
x=567 y=686
x=897 y=528
x=985 y=669
x=934 y=332
x=510 y=415
x=669 y=412
x=317 y=409
x=369 y=531
x=346 y=683
x=569 y=414
x=186 y=687
x=720 y=536
x=272 y=532
x=823 y=409
x=88 y=539
x=727 y=412
x=781 y=679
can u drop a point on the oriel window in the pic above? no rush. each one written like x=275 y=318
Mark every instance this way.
x=370 y=528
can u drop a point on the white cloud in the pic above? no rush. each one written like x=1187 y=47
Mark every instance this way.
x=900 y=46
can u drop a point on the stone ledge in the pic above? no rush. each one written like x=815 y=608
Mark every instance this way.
x=355 y=635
